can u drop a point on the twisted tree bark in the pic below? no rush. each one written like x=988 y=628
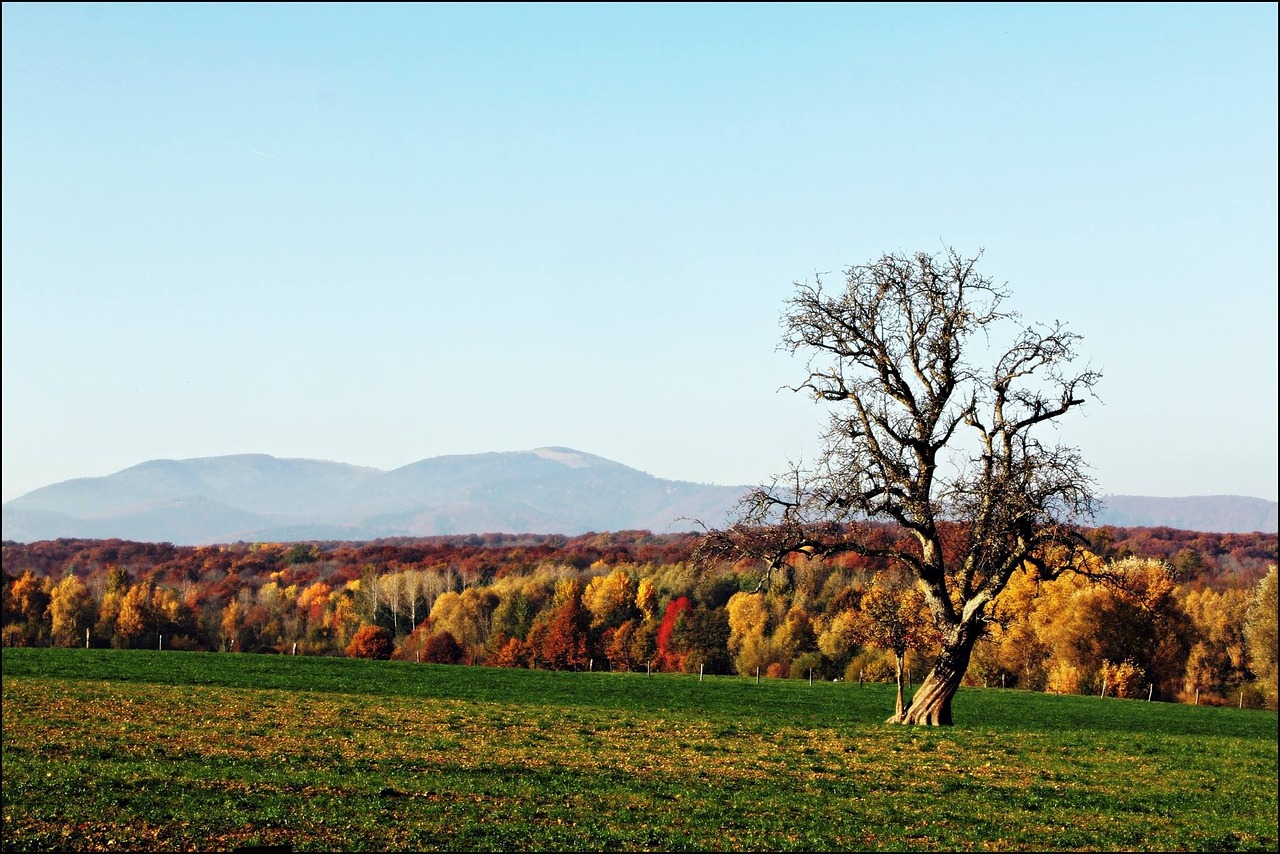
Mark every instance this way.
x=931 y=703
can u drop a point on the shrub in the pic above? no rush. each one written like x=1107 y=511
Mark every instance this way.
x=1063 y=678
x=777 y=670
x=871 y=665
x=804 y=663
x=1125 y=679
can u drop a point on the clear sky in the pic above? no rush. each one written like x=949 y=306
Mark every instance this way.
x=376 y=234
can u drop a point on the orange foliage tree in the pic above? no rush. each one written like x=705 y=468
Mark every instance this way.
x=560 y=642
x=895 y=617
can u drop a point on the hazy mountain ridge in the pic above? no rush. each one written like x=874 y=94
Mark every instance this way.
x=257 y=497
x=1219 y=514
x=260 y=497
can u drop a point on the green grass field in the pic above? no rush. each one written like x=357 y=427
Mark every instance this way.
x=111 y=750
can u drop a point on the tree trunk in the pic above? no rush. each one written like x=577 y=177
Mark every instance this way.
x=931 y=704
x=898 y=714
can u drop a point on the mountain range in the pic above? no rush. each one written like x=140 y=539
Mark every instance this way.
x=256 y=497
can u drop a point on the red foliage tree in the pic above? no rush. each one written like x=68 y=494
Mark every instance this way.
x=670 y=658
x=441 y=648
x=565 y=643
x=371 y=642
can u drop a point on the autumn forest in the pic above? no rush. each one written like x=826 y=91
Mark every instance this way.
x=1172 y=615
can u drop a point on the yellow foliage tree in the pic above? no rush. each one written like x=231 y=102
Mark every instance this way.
x=342 y=619
x=748 y=628
x=609 y=598
x=466 y=616
x=1260 y=630
x=794 y=636
x=1011 y=652
x=232 y=620
x=836 y=635
x=70 y=610
x=1217 y=659
x=647 y=599
x=135 y=619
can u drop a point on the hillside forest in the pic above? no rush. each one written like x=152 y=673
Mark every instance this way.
x=1171 y=615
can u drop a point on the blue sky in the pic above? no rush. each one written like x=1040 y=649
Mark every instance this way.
x=375 y=234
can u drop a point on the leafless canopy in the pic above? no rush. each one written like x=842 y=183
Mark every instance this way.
x=920 y=434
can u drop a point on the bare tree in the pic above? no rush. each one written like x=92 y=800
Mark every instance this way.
x=413 y=592
x=391 y=589
x=924 y=438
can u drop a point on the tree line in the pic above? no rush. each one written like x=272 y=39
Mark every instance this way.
x=1156 y=612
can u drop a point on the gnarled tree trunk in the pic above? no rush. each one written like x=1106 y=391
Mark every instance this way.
x=931 y=704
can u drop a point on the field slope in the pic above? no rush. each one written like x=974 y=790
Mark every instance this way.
x=112 y=750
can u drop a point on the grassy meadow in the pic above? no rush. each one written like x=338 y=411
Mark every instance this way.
x=118 y=750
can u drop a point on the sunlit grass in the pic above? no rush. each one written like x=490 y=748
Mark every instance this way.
x=108 y=750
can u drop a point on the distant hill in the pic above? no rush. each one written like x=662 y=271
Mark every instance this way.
x=1218 y=514
x=256 y=497
x=260 y=497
